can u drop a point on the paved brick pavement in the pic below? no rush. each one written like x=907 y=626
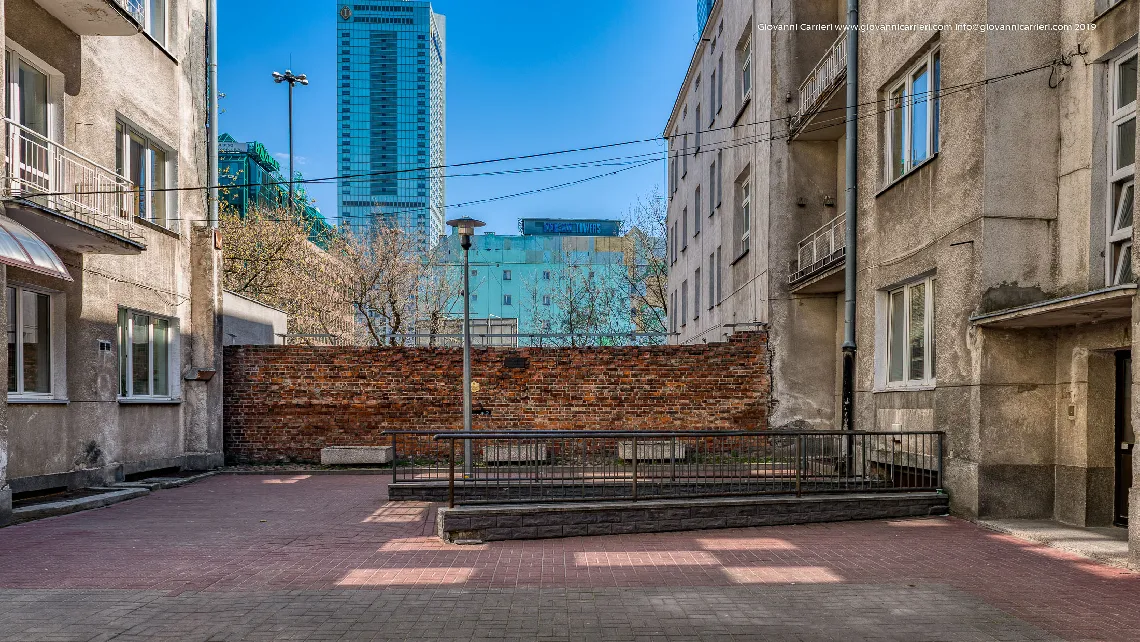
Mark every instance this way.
x=327 y=557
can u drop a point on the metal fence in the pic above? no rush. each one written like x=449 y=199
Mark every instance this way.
x=821 y=249
x=628 y=465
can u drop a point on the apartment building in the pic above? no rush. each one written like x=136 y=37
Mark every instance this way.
x=996 y=294
x=111 y=272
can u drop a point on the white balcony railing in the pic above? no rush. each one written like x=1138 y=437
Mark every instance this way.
x=821 y=249
x=822 y=80
x=56 y=178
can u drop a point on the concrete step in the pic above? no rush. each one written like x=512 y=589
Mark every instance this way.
x=488 y=522
x=65 y=506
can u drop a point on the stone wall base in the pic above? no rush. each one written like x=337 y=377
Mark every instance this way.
x=535 y=521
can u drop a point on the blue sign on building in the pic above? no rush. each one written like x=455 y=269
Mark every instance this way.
x=569 y=227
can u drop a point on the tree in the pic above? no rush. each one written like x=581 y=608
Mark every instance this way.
x=647 y=273
x=578 y=300
x=268 y=255
x=379 y=282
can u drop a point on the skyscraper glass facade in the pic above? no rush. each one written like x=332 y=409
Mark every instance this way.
x=704 y=8
x=391 y=107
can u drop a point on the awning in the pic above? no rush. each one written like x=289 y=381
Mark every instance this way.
x=1107 y=304
x=20 y=247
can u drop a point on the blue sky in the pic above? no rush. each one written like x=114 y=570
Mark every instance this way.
x=523 y=77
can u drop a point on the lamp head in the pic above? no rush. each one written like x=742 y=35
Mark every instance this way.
x=303 y=79
x=277 y=78
x=465 y=226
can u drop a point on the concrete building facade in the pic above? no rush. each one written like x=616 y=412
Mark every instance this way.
x=113 y=335
x=558 y=277
x=391 y=116
x=995 y=289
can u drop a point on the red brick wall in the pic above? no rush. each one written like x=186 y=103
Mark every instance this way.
x=286 y=403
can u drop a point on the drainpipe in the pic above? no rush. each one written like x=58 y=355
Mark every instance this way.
x=848 y=399
x=212 y=130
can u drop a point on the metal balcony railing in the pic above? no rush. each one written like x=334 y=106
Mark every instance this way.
x=134 y=8
x=46 y=173
x=826 y=76
x=821 y=250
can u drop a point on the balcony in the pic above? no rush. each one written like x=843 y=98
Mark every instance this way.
x=98 y=17
x=820 y=257
x=821 y=115
x=68 y=200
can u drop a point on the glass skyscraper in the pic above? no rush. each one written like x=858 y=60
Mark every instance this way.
x=704 y=8
x=391 y=59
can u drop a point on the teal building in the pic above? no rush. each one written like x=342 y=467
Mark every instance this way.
x=251 y=178
x=556 y=277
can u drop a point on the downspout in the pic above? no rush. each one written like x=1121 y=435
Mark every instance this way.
x=851 y=204
x=212 y=129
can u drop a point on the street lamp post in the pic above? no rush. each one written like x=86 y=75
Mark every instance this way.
x=466 y=228
x=292 y=80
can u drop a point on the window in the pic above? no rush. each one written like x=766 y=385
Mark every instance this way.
x=697 y=126
x=546 y=299
x=673 y=165
x=506 y=275
x=712 y=98
x=910 y=348
x=145 y=354
x=712 y=187
x=146 y=164
x=719 y=277
x=507 y=299
x=912 y=117
x=719 y=86
x=672 y=311
x=28 y=99
x=719 y=177
x=154 y=20
x=673 y=243
x=745 y=215
x=29 y=342
x=474 y=272
x=685 y=155
x=546 y=275
x=1122 y=170
x=684 y=303
x=697 y=211
x=697 y=294
x=684 y=229
x=474 y=297
x=712 y=280
x=746 y=72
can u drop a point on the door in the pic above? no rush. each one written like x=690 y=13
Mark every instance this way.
x=27 y=106
x=1125 y=438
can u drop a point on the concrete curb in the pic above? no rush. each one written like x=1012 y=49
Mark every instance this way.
x=52 y=509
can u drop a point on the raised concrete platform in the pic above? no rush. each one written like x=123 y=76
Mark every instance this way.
x=1105 y=544
x=472 y=524
x=355 y=455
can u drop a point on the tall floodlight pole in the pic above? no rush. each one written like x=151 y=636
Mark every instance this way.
x=292 y=80
x=466 y=228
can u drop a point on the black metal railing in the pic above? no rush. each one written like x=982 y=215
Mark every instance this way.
x=624 y=465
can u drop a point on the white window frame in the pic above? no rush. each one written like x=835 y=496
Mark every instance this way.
x=746 y=72
x=1124 y=177
x=123 y=130
x=172 y=360
x=885 y=330
x=14 y=55
x=508 y=299
x=55 y=340
x=148 y=12
x=933 y=112
x=506 y=275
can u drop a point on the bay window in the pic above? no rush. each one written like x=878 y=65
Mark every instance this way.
x=146 y=354
x=909 y=334
x=1122 y=170
x=913 y=110
x=29 y=342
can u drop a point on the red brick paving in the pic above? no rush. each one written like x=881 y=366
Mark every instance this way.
x=252 y=533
